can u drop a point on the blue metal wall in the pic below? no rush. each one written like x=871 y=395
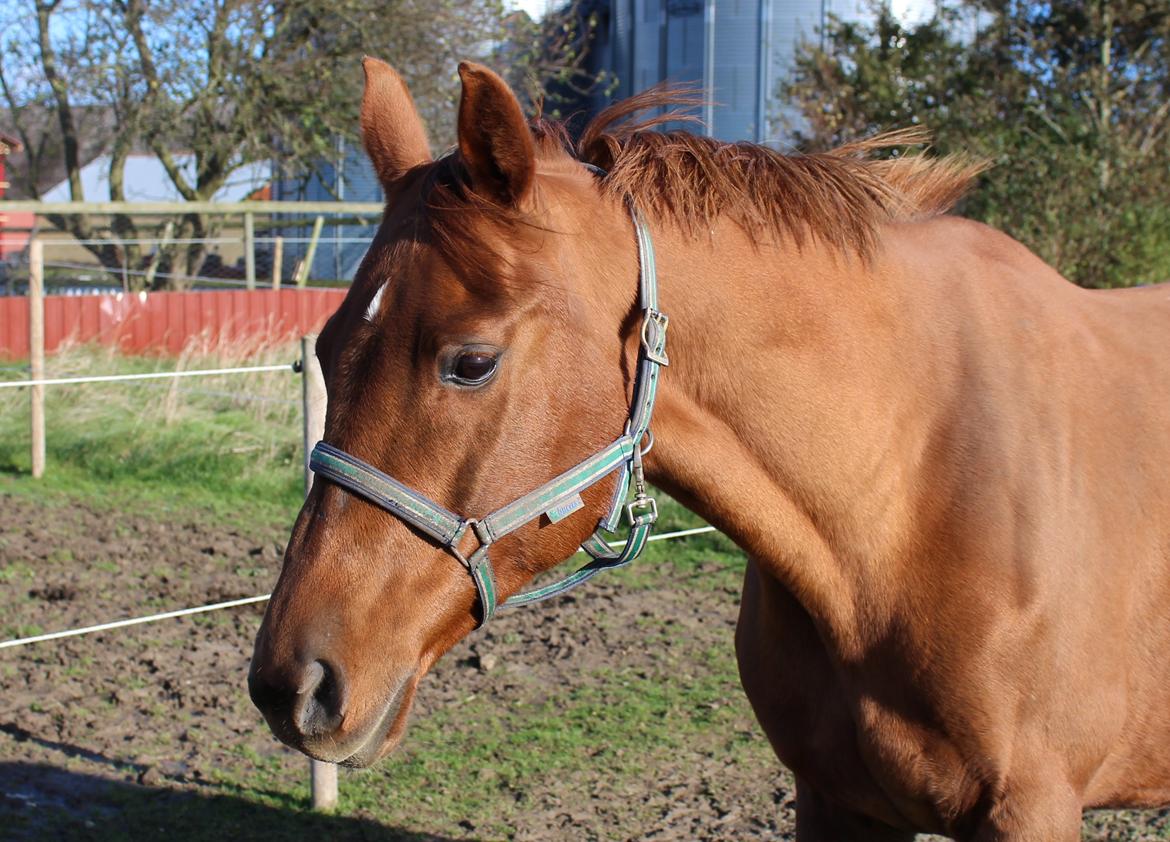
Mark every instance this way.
x=741 y=51
x=348 y=177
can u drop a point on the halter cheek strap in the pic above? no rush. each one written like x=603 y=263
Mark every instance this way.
x=557 y=498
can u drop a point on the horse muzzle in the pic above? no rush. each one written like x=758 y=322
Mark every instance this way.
x=307 y=704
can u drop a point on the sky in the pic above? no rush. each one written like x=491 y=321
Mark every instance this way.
x=535 y=8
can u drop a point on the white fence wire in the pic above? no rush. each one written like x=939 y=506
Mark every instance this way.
x=151 y=375
x=235 y=603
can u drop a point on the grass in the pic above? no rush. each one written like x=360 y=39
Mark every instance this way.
x=229 y=445
x=619 y=729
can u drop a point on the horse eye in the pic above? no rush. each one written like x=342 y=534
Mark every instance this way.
x=472 y=367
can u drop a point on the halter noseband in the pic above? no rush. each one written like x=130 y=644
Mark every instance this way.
x=557 y=498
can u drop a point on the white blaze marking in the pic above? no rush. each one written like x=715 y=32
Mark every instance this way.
x=375 y=303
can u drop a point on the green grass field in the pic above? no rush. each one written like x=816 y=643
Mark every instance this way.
x=229 y=445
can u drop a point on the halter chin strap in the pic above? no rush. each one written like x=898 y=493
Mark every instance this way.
x=558 y=498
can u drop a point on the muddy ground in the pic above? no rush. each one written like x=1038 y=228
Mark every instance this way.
x=148 y=732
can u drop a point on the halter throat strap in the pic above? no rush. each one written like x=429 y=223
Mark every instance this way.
x=469 y=539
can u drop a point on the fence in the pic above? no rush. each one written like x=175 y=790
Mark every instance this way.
x=166 y=321
x=260 y=256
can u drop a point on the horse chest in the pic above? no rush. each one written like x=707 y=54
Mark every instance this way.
x=874 y=753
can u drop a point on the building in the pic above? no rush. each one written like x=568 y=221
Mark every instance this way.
x=346 y=177
x=13 y=226
x=738 y=51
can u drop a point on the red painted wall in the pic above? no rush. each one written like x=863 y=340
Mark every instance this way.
x=168 y=321
x=14 y=242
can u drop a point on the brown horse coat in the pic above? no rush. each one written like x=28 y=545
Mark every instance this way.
x=949 y=467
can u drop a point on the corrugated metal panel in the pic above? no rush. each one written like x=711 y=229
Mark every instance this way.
x=648 y=58
x=684 y=43
x=752 y=50
x=736 y=69
x=685 y=46
x=168 y=321
x=792 y=20
x=357 y=182
x=621 y=50
x=349 y=177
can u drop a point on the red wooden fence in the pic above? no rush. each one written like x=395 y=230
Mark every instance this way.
x=168 y=321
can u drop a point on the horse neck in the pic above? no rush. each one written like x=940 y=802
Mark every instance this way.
x=786 y=417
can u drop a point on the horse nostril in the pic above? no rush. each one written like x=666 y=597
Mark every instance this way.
x=321 y=699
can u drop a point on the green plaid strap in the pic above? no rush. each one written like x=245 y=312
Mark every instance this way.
x=485 y=583
x=581 y=476
x=366 y=481
x=633 y=548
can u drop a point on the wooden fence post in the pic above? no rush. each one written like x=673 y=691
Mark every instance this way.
x=311 y=252
x=36 y=347
x=250 y=250
x=152 y=269
x=277 y=260
x=322 y=776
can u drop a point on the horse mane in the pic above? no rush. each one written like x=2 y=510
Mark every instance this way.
x=840 y=196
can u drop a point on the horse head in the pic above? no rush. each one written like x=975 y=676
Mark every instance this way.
x=487 y=344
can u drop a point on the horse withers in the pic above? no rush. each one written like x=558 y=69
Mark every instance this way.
x=948 y=466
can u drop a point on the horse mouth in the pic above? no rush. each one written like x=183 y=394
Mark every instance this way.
x=363 y=746
x=386 y=733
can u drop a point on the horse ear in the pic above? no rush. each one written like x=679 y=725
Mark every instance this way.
x=391 y=128
x=494 y=138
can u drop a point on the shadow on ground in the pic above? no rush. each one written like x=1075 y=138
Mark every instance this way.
x=43 y=802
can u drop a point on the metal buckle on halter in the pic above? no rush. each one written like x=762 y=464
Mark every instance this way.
x=654 y=324
x=647 y=517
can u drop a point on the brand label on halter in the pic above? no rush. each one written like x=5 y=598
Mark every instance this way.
x=559 y=513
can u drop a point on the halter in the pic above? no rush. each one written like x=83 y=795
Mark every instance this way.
x=556 y=499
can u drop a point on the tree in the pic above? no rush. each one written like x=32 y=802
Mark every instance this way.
x=544 y=61
x=1069 y=100
x=231 y=81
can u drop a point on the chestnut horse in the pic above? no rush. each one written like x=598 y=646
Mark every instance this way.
x=948 y=466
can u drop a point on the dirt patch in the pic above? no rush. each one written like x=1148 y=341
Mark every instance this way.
x=153 y=723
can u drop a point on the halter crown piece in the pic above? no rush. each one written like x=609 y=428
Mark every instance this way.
x=557 y=498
